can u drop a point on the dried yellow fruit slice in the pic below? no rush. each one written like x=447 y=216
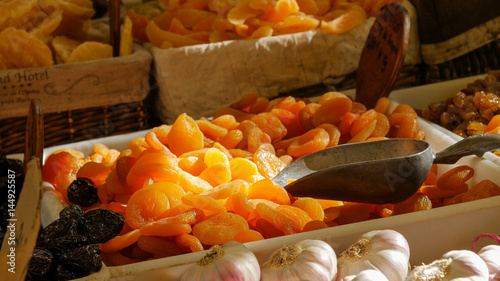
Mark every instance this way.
x=48 y=25
x=91 y=50
x=23 y=50
x=14 y=9
x=126 y=37
x=63 y=47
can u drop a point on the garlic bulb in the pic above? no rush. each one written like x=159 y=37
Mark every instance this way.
x=306 y=260
x=384 y=250
x=367 y=275
x=229 y=262
x=491 y=256
x=458 y=265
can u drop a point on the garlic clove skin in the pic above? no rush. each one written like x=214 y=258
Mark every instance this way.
x=491 y=256
x=367 y=275
x=456 y=265
x=306 y=260
x=384 y=250
x=229 y=262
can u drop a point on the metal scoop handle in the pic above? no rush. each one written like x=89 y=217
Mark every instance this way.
x=473 y=145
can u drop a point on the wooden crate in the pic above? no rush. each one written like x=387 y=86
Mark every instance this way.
x=80 y=101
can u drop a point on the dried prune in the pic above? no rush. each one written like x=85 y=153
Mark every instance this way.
x=40 y=263
x=71 y=212
x=66 y=242
x=55 y=229
x=82 y=192
x=100 y=225
x=85 y=259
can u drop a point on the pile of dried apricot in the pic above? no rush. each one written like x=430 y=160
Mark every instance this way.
x=36 y=33
x=196 y=183
x=177 y=23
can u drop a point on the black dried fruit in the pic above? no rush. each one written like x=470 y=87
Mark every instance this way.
x=100 y=225
x=67 y=242
x=54 y=230
x=71 y=212
x=40 y=263
x=84 y=260
x=82 y=192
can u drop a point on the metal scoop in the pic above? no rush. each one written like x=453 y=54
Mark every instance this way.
x=379 y=172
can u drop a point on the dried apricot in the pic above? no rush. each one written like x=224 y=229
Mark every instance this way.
x=219 y=228
x=208 y=205
x=455 y=177
x=332 y=110
x=312 y=141
x=188 y=243
x=21 y=49
x=248 y=235
x=91 y=50
x=268 y=164
x=267 y=189
x=185 y=135
x=278 y=219
x=311 y=206
x=145 y=206
x=159 y=246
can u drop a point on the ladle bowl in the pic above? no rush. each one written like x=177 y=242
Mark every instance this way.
x=379 y=172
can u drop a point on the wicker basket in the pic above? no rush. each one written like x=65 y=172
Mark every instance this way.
x=80 y=100
x=476 y=62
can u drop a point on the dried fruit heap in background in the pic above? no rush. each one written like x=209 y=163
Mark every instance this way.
x=177 y=23
x=472 y=111
x=37 y=33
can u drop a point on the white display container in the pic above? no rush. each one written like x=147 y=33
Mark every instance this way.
x=430 y=233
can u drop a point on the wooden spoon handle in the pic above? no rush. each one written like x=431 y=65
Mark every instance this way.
x=114 y=26
x=383 y=54
x=34 y=141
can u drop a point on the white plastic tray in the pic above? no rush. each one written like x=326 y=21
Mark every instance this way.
x=430 y=233
x=421 y=96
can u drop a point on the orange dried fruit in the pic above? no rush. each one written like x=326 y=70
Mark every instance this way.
x=219 y=228
x=20 y=49
x=278 y=219
x=120 y=242
x=353 y=16
x=455 y=177
x=188 y=243
x=269 y=190
x=312 y=141
x=192 y=183
x=271 y=125
x=332 y=110
x=244 y=169
x=483 y=189
x=314 y=225
x=238 y=203
x=298 y=215
x=158 y=246
x=91 y=50
x=96 y=172
x=208 y=205
x=248 y=235
x=223 y=191
x=44 y=30
x=126 y=38
x=146 y=206
x=185 y=135
x=216 y=174
x=268 y=164
x=311 y=206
